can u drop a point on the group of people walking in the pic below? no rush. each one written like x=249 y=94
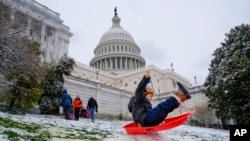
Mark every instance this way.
x=73 y=108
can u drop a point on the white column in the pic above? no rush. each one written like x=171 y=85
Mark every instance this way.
x=101 y=64
x=105 y=64
x=56 y=46
x=125 y=61
x=121 y=63
x=136 y=64
x=12 y=20
x=28 y=26
x=131 y=63
x=115 y=62
x=43 y=43
x=111 y=63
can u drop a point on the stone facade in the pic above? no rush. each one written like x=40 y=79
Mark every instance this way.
x=162 y=80
x=43 y=25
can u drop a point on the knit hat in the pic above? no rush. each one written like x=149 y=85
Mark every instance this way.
x=64 y=91
x=148 y=89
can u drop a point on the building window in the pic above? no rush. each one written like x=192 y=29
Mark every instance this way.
x=118 y=63
x=126 y=84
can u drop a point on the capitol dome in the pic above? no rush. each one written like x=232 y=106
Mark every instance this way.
x=116 y=33
x=117 y=51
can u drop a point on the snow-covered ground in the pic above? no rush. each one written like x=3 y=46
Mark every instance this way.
x=65 y=130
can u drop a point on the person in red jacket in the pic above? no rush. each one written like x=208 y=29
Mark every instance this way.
x=77 y=105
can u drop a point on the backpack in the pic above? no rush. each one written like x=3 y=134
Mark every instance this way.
x=72 y=116
x=87 y=114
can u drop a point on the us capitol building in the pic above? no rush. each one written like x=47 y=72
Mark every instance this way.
x=118 y=63
x=115 y=70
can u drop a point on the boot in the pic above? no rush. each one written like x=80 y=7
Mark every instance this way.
x=182 y=92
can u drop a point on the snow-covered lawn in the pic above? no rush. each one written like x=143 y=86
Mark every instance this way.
x=55 y=128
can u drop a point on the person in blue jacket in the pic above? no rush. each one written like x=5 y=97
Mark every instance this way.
x=66 y=103
x=141 y=108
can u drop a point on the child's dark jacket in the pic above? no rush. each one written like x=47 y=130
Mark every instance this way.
x=138 y=105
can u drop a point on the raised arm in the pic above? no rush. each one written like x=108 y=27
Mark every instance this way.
x=139 y=93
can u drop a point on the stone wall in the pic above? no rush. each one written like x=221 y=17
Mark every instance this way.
x=111 y=101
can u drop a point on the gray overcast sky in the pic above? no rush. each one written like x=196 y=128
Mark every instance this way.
x=185 y=32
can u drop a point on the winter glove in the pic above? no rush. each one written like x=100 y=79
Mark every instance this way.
x=96 y=110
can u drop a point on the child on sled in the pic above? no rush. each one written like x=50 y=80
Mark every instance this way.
x=141 y=108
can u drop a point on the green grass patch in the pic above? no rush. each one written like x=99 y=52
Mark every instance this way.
x=7 y=123
x=35 y=132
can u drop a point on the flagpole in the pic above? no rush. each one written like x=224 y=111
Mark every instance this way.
x=195 y=80
x=172 y=66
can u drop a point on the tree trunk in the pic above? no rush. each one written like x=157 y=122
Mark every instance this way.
x=12 y=103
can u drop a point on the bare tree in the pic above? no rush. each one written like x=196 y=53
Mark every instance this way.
x=17 y=52
x=20 y=57
x=203 y=115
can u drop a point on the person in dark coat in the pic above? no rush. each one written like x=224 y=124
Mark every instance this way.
x=141 y=108
x=66 y=103
x=92 y=106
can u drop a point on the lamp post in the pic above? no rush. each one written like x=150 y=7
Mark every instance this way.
x=97 y=75
x=195 y=80
x=121 y=84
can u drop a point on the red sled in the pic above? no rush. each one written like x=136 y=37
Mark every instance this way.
x=133 y=128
